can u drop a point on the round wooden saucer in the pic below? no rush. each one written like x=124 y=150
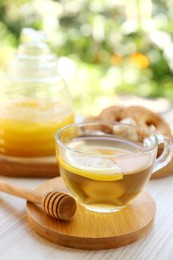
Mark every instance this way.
x=90 y=230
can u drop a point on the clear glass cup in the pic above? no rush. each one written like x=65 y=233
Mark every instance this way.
x=105 y=165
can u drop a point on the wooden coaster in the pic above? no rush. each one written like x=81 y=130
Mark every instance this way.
x=90 y=230
x=41 y=167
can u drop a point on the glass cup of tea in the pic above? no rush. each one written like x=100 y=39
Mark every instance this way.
x=106 y=165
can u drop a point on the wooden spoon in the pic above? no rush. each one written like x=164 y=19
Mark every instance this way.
x=56 y=204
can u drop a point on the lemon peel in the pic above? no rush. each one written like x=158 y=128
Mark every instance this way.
x=100 y=174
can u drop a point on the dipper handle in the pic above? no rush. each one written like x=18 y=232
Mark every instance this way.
x=58 y=205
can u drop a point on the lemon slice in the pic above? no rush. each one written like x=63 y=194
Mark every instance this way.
x=96 y=168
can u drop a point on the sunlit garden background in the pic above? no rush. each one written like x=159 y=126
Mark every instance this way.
x=105 y=48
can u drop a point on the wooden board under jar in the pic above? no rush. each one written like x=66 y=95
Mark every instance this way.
x=41 y=167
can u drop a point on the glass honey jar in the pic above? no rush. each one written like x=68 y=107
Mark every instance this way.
x=34 y=102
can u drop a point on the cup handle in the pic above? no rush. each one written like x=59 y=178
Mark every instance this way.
x=166 y=155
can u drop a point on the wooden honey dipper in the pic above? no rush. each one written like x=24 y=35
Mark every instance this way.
x=56 y=204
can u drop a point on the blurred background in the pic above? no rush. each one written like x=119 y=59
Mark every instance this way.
x=105 y=48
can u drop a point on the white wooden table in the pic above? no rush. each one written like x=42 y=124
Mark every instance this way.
x=19 y=241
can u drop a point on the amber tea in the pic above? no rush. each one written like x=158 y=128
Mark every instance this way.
x=100 y=182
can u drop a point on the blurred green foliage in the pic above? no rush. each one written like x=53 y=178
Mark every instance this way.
x=107 y=47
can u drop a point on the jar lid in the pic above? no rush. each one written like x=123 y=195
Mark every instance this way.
x=34 y=57
x=34 y=45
